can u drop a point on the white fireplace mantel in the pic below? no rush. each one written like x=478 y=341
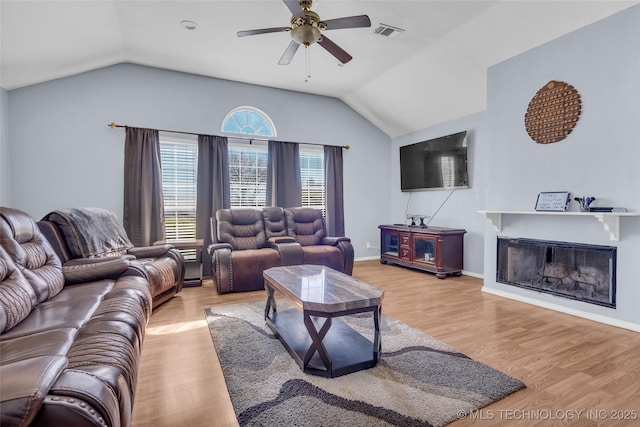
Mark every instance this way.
x=610 y=220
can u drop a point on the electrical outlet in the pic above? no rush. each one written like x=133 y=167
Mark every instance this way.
x=372 y=247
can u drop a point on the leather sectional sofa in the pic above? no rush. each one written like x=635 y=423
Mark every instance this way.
x=247 y=241
x=70 y=335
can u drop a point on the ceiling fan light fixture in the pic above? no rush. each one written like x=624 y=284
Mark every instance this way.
x=305 y=34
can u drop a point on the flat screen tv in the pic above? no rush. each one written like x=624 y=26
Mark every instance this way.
x=436 y=164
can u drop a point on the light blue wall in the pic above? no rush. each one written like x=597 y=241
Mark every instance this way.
x=508 y=169
x=4 y=148
x=599 y=158
x=459 y=210
x=63 y=154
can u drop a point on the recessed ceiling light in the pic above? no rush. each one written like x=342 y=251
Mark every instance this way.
x=189 y=25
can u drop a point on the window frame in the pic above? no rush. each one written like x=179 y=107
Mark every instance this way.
x=249 y=110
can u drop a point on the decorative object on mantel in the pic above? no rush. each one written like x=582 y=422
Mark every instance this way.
x=584 y=202
x=606 y=209
x=553 y=112
x=553 y=201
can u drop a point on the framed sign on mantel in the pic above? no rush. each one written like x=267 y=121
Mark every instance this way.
x=553 y=201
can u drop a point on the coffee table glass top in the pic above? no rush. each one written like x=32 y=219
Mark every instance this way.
x=319 y=288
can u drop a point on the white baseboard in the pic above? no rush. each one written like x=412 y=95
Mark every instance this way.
x=472 y=274
x=574 y=312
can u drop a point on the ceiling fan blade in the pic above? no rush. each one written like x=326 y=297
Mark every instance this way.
x=294 y=7
x=335 y=50
x=288 y=54
x=348 y=22
x=262 y=31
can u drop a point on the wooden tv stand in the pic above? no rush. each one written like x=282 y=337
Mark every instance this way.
x=434 y=249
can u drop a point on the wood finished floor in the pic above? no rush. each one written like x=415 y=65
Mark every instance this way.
x=569 y=364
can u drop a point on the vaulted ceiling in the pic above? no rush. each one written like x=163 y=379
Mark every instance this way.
x=432 y=72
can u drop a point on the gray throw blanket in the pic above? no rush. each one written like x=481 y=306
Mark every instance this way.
x=91 y=232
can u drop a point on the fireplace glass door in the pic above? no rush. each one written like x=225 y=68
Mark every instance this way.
x=571 y=270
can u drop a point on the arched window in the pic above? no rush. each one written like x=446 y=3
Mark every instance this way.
x=248 y=121
x=248 y=160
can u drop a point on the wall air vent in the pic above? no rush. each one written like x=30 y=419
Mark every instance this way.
x=388 y=30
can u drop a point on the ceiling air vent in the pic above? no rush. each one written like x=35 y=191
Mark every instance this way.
x=388 y=30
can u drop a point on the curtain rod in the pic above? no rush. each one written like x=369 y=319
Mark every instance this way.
x=112 y=125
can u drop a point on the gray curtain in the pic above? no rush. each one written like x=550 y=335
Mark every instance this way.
x=213 y=187
x=143 y=201
x=284 y=184
x=333 y=189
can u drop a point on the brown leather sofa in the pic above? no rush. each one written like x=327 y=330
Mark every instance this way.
x=70 y=336
x=247 y=241
x=88 y=233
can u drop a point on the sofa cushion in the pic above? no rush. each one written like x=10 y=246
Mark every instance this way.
x=242 y=228
x=52 y=342
x=162 y=273
x=90 y=232
x=30 y=251
x=248 y=266
x=25 y=384
x=306 y=225
x=52 y=234
x=69 y=309
x=329 y=256
x=17 y=298
x=274 y=222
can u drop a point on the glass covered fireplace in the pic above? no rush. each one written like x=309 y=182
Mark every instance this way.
x=571 y=270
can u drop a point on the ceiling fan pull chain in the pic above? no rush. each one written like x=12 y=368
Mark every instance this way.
x=307 y=63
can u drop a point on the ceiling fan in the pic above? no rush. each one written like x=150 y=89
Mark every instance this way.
x=306 y=28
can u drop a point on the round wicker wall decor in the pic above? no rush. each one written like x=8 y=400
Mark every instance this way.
x=553 y=112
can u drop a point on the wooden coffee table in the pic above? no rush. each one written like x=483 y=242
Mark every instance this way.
x=318 y=342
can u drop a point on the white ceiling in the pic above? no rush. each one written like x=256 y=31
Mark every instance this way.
x=433 y=72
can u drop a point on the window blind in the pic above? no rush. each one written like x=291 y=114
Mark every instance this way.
x=179 y=188
x=247 y=174
x=312 y=174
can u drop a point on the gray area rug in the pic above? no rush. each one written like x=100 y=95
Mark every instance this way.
x=419 y=381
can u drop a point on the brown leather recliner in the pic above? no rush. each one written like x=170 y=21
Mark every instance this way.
x=239 y=250
x=87 y=233
x=247 y=241
x=307 y=227
x=70 y=336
